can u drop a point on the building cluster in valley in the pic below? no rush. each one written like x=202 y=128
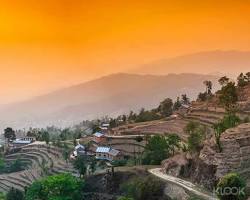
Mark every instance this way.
x=98 y=147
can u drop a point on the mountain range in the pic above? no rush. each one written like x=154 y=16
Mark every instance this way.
x=109 y=95
x=115 y=94
x=229 y=63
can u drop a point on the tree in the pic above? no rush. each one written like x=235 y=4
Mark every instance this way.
x=209 y=86
x=196 y=136
x=147 y=115
x=166 y=107
x=31 y=133
x=81 y=164
x=156 y=150
x=45 y=137
x=248 y=77
x=202 y=96
x=95 y=128
x=57 y=187
x=139 y=139
x=2 y=164
x=15 y=194
x=17 y=165
x=185 y=99
x=66 y=153
x=160 y=147
x=242 y=80
x=230 y=120
x=223 y=81
x=218 y=130
x=177 y=104
x=132 y=116
x=231 y=187
x=92 y=165
x=174 y=142
x=228 y=96
x=9 y=134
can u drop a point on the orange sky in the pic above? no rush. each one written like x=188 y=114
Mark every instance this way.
x=55 y=43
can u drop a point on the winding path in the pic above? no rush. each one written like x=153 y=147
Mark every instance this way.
x=185 y=184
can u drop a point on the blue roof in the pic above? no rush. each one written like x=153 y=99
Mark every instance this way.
x=103 y=149
x=98 y=134
x=18 y=141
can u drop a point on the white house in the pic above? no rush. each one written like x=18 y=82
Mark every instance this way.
x=79 y=150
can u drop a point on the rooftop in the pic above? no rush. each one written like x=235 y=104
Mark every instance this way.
x=103 y=149
x=20 y=141
x=98 y=134
x=79 y=146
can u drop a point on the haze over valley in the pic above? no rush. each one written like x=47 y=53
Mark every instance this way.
x=110 y=95
x=119 y=93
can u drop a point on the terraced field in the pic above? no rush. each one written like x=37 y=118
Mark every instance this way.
x=41 y=161
x=154 y=127
x=205 y=116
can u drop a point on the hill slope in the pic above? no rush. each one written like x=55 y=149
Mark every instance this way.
x=214 y=62
x=109 y=95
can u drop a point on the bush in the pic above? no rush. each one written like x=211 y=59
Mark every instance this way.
x=231 y=187
x=159 y=148
x=119 y=163
x=148 y=188
x=58 y=187
x=196 y=136
x=229 y=121
x=15 y=194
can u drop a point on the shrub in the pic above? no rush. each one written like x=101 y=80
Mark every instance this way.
x=59 y=187
x=148 y=188
x=231 y=187
x=196 y=136
x=15 y=194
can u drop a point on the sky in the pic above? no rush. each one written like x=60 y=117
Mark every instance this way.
x=50 y=44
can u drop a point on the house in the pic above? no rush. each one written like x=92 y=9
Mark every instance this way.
x=108 y=153
x=79 y=150
x=99 y=137
x=105 y=127
x=22 y=141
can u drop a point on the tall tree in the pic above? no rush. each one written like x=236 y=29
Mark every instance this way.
x=242 y=80
x=177 y=104
x=81 y=164
x=228 y=96
x=209 y=86
x=185 y=99
x=9 y=134
x=166 y=107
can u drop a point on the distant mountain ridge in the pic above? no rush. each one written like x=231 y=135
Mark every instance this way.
x=208 y=62
x=110 y=95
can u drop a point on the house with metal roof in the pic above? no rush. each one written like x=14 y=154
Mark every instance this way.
x=99 y=137
x=108 y=153
x=22 y=141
